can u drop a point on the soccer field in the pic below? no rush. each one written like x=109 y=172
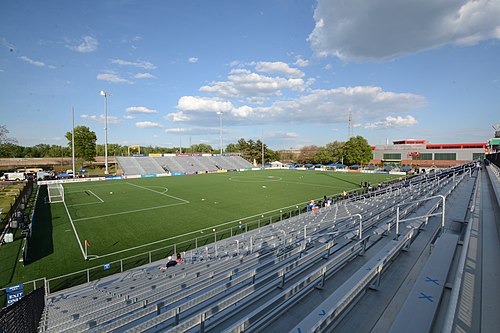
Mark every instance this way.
x=121 y=214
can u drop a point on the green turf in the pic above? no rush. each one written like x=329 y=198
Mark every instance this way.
x=121 y=214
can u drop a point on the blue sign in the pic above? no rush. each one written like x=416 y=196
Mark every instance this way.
x=14 y=288
x=14 y=293
x=107 y=266
x=150 y=175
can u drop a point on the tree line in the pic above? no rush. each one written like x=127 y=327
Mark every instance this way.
x=354 y=151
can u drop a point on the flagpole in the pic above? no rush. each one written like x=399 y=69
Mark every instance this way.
x=85 y=249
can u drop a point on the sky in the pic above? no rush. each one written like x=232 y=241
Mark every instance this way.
x=288 y=72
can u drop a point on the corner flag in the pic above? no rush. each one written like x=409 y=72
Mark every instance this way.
x=87 y=243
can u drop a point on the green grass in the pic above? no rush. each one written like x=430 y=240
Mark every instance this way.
x=149 y=210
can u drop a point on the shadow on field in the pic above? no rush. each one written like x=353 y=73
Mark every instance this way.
x=41 y=243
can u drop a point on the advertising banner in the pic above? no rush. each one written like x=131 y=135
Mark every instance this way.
x=113 y=177
x=149 y=175
x=132 y=177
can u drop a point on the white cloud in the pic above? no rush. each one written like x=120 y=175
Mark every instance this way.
x=197 y=130
x=256 y=88
x=302 y=62
x=178 y=117
x=36 y=62
x=393 y=122
x=278 y=67
x=140 y=109
x=112 y=77
x=385 y=29
x=129 y=116
x=139 y=64
x=88 y=44
x=193 y=60
x=321 y=106
x=193 y=103
x=282 y=135
x=144 y=76
x=102 y=119
x=148 y=124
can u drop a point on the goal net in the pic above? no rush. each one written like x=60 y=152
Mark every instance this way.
x=56 y=193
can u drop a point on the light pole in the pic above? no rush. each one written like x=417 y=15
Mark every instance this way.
x=105 y=94
x=220 y=113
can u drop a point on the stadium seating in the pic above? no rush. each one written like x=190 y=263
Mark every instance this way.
x=247 y=281
x=140 y=165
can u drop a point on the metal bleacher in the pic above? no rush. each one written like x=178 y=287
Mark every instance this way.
x=308 y=273
x=140 y=165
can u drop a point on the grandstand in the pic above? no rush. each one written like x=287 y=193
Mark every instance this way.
x=399 y=259
x=142 y=165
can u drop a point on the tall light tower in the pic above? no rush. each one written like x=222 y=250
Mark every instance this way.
x=350 y=124
x=220 y=113
x=105 y=94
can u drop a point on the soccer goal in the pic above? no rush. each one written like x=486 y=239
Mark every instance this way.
x=56 y=193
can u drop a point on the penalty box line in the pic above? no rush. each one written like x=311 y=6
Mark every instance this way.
x=74 y=230
x=130 y=211
x=160 y=193
x=88 y=203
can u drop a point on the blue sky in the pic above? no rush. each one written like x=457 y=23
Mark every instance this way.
x=289 y=72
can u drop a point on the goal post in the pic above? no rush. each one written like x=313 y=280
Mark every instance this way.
x=56 y=193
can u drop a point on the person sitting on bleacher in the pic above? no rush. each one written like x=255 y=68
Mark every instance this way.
x=171 y=262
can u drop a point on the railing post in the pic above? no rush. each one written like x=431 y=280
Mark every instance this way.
x=397 y=222
x=88 y=275
x=444 y=211
x=121 y=265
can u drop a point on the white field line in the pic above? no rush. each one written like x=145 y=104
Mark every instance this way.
x=130 y=211
x=160 y=193
x=95 y=195
x=88 y=203
x=74 y=230
x=85 y=204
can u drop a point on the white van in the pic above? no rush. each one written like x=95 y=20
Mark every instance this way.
x=13 y=176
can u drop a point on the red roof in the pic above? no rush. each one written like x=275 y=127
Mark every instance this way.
x=455 y=145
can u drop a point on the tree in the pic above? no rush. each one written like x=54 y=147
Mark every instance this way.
x=357 y=151
x=85 y=141
x=307 y=154
x=201 y=148
x=4 y=139
x=336 y=149
x=323 y=156
x=232 y=148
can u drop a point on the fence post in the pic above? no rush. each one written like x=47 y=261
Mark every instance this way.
x=88 y=275
x=149 y=256
x=121 y=265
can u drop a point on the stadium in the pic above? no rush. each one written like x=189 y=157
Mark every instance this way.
x=252 y=259
x=270 y=166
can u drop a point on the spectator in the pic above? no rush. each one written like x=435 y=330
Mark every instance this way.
x=172 y=263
